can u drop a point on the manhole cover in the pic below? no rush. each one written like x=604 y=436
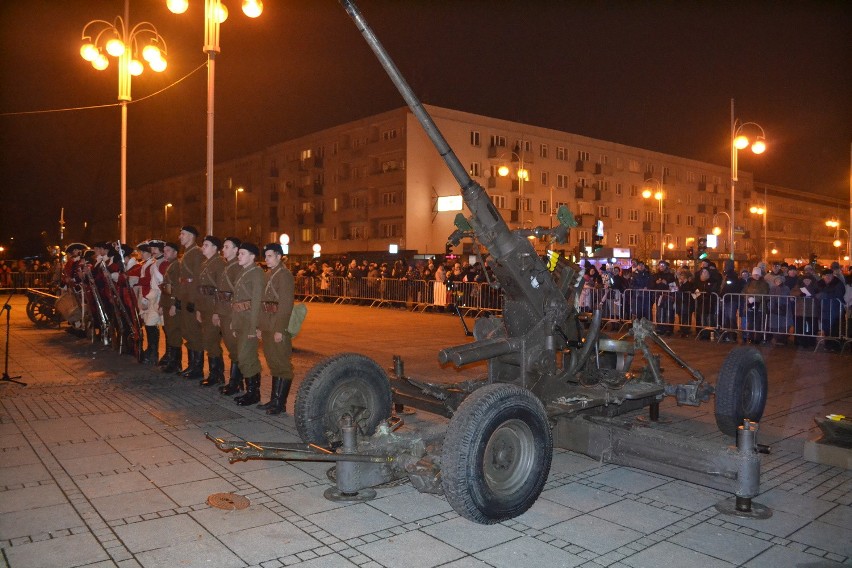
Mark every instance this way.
x=228 y=501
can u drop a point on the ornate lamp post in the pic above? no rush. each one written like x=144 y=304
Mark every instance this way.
x=647 y=193
x=522 y=175
x=166 y=219
x=119 y=40
x=740 y=141
x=237 y=192
x=215 y=12
x=761 y=210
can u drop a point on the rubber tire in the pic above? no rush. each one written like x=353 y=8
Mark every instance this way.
x=741 y=390
x=504 y=409
x=321 y=398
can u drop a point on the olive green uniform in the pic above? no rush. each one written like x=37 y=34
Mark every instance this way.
x=248 y=291
x=171 y=324
x=187 y=293
x=208 y=278
x=278 y=297
x=224 y=295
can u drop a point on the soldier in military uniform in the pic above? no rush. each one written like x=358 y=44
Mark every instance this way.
x=245 y=305
x=278 y=297
x=170 y=308
x=222 y=313
x=205 y=307
x=187 y=293
x=148 y=297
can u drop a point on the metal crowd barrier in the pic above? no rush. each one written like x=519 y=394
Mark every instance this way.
x=758 y=318
x=18 y=282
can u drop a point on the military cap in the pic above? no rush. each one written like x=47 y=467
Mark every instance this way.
x=75 y=246
x=274 y=247
x=157 y=244
x=171 y=245
x=234 y=240
x=215 y=241
x=250 y=247
x=190 y=229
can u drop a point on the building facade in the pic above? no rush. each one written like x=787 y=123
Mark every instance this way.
x=368 y=184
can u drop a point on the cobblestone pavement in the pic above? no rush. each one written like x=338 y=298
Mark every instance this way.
x=104 y=463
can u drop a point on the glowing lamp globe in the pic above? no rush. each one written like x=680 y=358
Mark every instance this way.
x=177 y=6
x=89 y=52
x=151 y=53
x=252 y=8
x=502 y=171
x=158 y=65
x=759 y=147
x=135 y=67
x=115 y=47
x=101 y=62
x=741 y=142
x=646 y=193
x=220 y=12
x=837 y=243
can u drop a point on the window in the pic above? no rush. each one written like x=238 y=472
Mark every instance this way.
x=356 y=232
x=389 y=134
x=499 y=201
x=474 y=138
x=619 y=163
x=603 y=211
x=307 y=235
x=632 y=239
x=544 y=207
x=307 y=207
x=582 y=156
x=604 y=159
x=391 y=230
x=498 y=141
x=359 y=201
x=475 y=169
x=603 y=185
x=581 y=182
x=561 y=153
x=618 y=189
x=649 y=216
x=583 y=235
x=666 y=171
x=523 y=145
x=305 y=155
x=702 y=220
x=633 y=215
x=542 y=150
x=634 y=191
x=334 y=148
x=633 y=166
x=618 y=213
x=545 y=179
x=617 y=238
x=561 y=181
x=690 y=220
x=526 y=202
x=389 y=198
x=690 y=176
x=335 y=206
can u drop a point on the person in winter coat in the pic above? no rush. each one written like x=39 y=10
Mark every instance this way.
x=831 y=308
x=755 y=291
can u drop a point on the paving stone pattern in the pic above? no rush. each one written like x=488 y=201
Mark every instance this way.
x=104 y=463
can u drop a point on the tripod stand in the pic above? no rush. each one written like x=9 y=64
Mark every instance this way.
x=6 y=377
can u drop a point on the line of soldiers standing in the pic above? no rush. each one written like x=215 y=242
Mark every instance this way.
x=213 y=294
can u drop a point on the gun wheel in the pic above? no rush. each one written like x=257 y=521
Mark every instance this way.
x=41 y=314
x=496 y=454
x=348 y=383
x=741 y=389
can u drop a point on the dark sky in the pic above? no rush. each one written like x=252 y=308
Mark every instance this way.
x=658 y=75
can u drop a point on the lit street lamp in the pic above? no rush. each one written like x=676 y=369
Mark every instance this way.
x=717 y=230
x=215 y=12
x=522 y=175
x=660 y=197
x=237 y=192
x=119 y=40
x=740 y=142
x=757 y=210
x=166 y=220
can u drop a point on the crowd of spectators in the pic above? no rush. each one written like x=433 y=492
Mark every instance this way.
x=12 y=271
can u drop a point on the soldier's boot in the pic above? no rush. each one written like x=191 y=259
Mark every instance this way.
x=196 y=366
x=279 y=396
x=235 y=381
x=216 y=372
x=190 y=362
x=252 y=395
x=275 y=382
x=175 y=359
x=152 y=352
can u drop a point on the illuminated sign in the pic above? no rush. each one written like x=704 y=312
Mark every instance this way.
x=450 y=203
x=620 y=253
x=712 y=241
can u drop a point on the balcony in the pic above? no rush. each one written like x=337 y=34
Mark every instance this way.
x=603 y=169
x=585 y=167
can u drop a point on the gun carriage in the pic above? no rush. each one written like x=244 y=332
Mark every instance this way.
x=550 y=376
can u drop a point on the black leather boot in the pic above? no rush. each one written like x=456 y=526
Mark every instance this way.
x=176 y=355
x=279 y=396
x=153 y=351
x=190 y=361
x=216 y=372
x=196 y=366
x=252 y=395
x=235 y=381
x=275 y=382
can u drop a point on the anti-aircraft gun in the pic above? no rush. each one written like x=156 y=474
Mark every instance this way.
x=548 y=376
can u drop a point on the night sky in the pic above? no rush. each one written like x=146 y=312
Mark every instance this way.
x=657 y=75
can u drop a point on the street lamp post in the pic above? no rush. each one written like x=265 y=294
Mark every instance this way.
x=237 y=192
x=166 y=219
x=717 y=230
x=119 y=40
x=660 y=197
x=523 y=175
x=761 y=210
x=215 y=12
x=739 y=142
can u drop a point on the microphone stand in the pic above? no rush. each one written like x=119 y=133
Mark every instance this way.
x=6 y=377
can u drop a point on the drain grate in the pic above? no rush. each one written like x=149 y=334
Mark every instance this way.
x=228 y=501
x=194 y=414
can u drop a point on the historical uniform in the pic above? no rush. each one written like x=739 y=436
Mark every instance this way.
x=211 y=340
x=148 y=298
x=278 y=297
x=245 y=305
x=171 y=307
x=224 y=295
x=187 y=293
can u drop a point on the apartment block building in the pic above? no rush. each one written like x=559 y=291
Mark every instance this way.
x=363 y=186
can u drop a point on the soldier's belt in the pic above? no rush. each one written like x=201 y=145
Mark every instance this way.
x=241 y=306
x=270 y=307
x=185 y=280
x=207 y=290
x=223 y=296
